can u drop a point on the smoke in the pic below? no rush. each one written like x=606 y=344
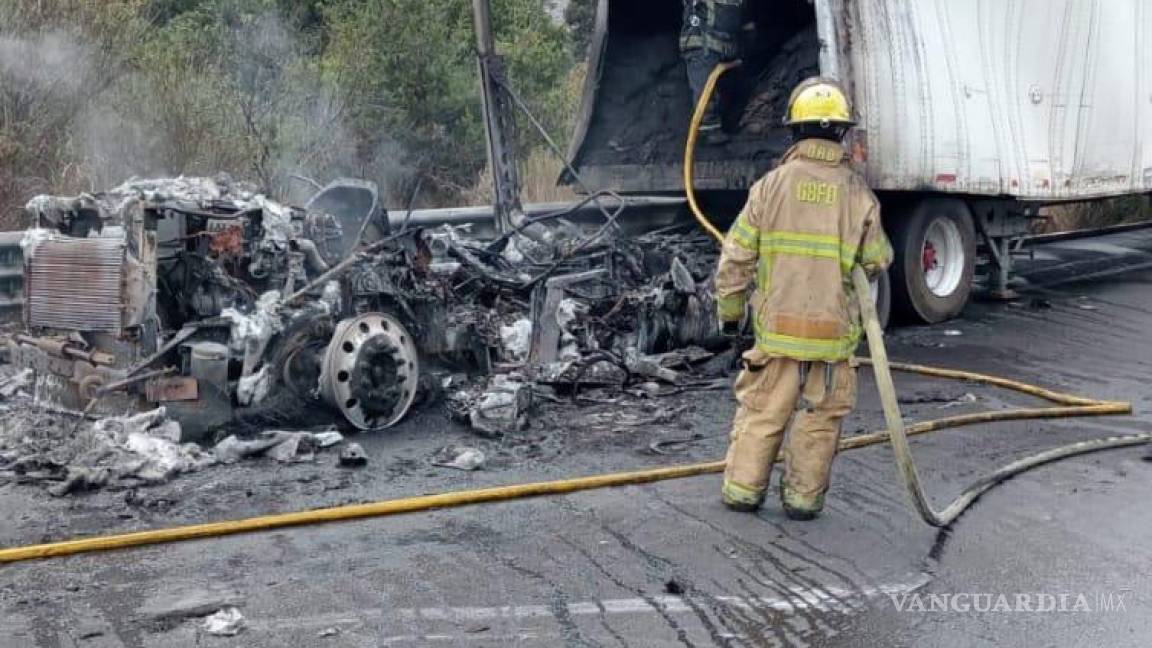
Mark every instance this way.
x=50 y=59
x=295 y=120
x=254 y=103
x=287 y=103
x=44 y=79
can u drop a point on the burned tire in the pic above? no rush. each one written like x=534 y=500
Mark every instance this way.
x=293 y=360
x=935 y=245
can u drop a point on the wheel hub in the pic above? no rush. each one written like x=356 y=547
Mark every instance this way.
x=943 y=257
x=929 y=256
x=370 y=371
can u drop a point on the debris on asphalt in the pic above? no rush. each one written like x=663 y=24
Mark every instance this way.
x=966 y=399
x=232 y=448
x=328 y=439
x=292 y=447
x=127 y=451
x=227 y=622
x=353 y=456
x=459 y=457
x=502 y=407
x=186 y=604
x=282 y=446
x=15 y=384
x=675 y=446
x=39 y=447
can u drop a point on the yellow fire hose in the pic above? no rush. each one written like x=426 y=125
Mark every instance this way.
x=690 y=146
x=1067 y=406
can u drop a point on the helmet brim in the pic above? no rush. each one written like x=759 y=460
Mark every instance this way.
x=820 y=122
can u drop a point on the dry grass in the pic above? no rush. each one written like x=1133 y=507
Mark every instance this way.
x=539 y=174
x=1098 y=213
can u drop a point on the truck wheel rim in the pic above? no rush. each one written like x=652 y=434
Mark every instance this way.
x=361 y=341
x=942 y=257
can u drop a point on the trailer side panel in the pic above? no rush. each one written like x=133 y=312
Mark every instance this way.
x=1036 y=99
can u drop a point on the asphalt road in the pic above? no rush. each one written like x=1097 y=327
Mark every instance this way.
x=662 y=564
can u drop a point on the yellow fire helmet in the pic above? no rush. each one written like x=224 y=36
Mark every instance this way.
x=819 y=100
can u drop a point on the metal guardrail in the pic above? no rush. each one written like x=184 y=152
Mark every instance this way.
x=11 y=271
x=1037 y=239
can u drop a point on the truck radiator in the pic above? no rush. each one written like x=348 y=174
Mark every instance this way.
x=75 y=284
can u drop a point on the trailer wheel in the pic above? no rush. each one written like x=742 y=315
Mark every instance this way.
x=935 y=245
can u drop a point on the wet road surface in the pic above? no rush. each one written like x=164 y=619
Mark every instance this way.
x=662 y=564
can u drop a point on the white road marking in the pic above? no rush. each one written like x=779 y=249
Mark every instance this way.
x=797 y=599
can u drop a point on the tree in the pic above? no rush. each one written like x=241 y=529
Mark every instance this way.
x=411 y=74
x=261 y=89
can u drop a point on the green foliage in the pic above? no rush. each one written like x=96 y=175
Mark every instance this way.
x=262 y=89
x=580 y=16
x=410 y=72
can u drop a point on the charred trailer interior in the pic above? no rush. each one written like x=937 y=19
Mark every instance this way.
x=637 y=102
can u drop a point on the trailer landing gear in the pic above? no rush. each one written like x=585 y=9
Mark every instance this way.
x=1001 y=226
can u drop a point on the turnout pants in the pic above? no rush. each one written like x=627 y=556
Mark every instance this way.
x=699 y=63
x=815 y=396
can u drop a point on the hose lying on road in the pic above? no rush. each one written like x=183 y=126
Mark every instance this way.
x=896 y=433
x=1066 y=406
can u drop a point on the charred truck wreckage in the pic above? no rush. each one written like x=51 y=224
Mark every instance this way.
x=229 y=309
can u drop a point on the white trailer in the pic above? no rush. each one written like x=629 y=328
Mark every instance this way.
x=973 y=114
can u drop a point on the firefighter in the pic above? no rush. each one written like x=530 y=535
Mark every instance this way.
x=804 y=226
x=709 y=34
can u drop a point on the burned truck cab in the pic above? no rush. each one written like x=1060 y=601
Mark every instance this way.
x=209 y=299
x=90 y=299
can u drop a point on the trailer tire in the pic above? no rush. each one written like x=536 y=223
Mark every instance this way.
x=935 y=246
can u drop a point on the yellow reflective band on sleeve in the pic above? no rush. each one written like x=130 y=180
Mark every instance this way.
x=730 y=308
x=740 y=494
x=744 y=234
x=764 y=272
